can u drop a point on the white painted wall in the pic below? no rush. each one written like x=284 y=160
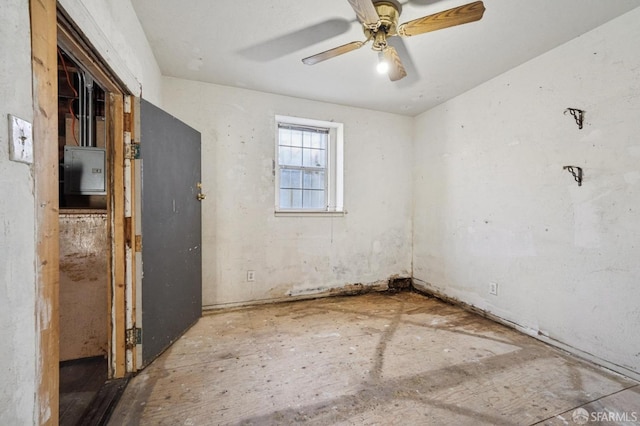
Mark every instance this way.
x=493 y=204
x=17 y=240
x=294 y=255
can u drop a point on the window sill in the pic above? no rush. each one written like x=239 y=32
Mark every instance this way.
x=303 y=213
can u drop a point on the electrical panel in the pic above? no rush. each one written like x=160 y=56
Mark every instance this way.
x=85 y=170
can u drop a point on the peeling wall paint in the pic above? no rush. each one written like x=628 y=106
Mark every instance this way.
x=293 y=255
x=493 y=204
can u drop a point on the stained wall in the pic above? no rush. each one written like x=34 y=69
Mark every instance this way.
x=493 y=203
x=294 y=256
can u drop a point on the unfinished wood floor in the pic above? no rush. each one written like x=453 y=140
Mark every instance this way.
x=375 y=359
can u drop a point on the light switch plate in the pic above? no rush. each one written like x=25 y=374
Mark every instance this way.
x=20 y=140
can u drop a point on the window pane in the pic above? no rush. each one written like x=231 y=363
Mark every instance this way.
x=320 y=157
x=285 y=198
x=285 y=178
x=290 y=179
x=306 y=158
x=314 y=157
x=296 y=179
x=290 y=199
x=319 y=140
x=314 y=199
x=314 y=180
x=296 y=199
x=289 y=156
x=284 y=155
x=296 y=137
x=307 y=180
x=296 y=156
x=285 y=136
x=306 y=139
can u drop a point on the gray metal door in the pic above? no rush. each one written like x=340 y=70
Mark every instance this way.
x=171 y=229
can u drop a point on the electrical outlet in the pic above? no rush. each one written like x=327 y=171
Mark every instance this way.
x=20 y=140
x=493 y=288
x=251 y=276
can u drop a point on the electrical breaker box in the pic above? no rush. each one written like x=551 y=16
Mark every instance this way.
x=85 y=170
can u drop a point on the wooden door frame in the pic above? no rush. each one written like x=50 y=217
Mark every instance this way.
x=45 y=135
x=45 y=37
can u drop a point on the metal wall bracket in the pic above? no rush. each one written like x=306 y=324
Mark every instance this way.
x=132 y=151
x=577 y=115
x=133 y=337
x=576 y=172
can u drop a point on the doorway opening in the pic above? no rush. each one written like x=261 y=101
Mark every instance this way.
x=92 y=231
x=83 y=240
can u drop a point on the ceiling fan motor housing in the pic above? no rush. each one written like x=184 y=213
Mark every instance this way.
x=389 y=12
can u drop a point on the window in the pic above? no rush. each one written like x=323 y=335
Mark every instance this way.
x=308 y=166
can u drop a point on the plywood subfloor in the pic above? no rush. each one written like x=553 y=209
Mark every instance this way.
x=375 y=359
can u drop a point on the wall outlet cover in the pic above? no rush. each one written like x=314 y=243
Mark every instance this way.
x=20 y=140
x=493 y=288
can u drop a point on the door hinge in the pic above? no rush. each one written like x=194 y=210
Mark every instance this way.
x=138 y=243
x=133 y=337
x=132 y=151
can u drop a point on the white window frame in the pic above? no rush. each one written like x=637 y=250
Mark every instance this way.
x=334 y=170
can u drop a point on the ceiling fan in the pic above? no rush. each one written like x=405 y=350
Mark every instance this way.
x=379 y=20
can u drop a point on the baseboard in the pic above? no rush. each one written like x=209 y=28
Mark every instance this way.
x=394 y=283
x=428 y=291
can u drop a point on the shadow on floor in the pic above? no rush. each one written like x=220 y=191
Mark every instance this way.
x=86 y=396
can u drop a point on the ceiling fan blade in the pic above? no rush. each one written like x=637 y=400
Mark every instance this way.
x=365 y=11
x=332 y=53
x=396 y=69
x=449 y=18
x=413 y=75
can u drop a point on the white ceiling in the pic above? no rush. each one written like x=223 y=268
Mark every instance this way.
x=259 y=44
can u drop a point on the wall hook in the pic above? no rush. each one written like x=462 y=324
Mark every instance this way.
x=576 y=172
x=577 y=115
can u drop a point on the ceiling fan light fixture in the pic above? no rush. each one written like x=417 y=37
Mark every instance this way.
x=383 y=64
